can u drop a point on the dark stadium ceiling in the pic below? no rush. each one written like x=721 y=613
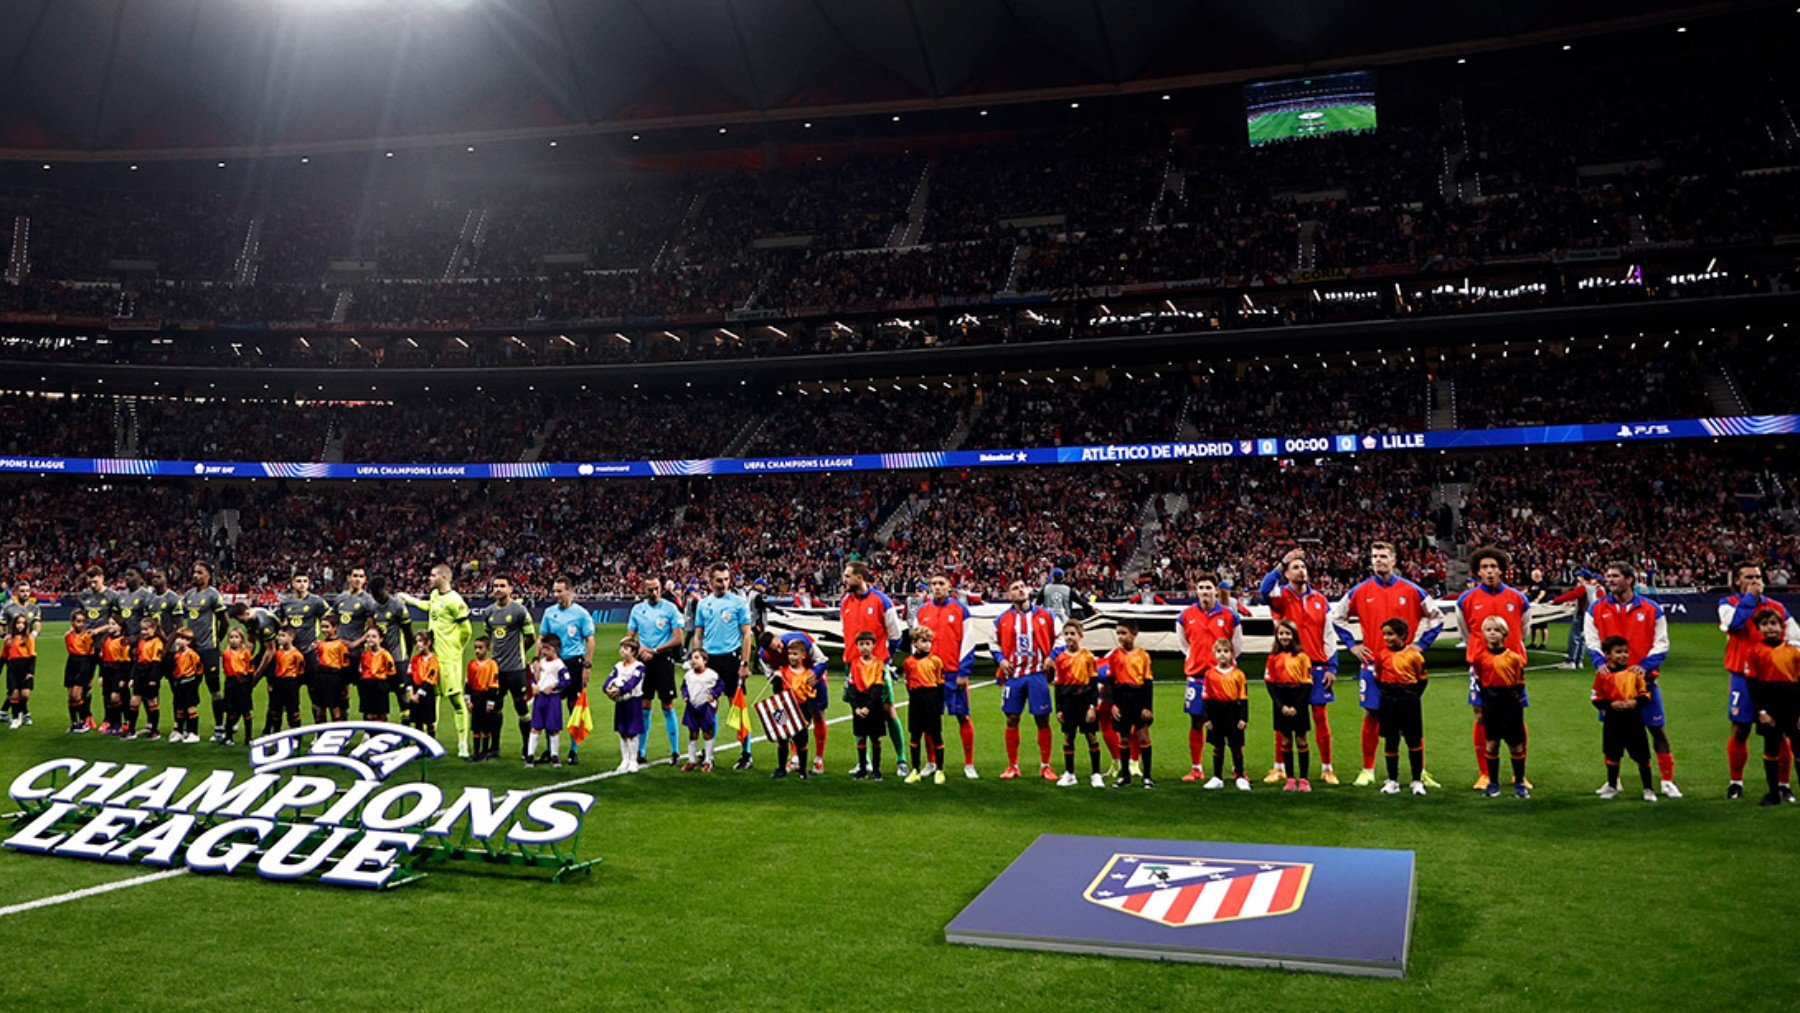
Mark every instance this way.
x=84 y=79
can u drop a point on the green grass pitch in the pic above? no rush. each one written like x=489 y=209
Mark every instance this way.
x=734 y=891
x=1289 y=124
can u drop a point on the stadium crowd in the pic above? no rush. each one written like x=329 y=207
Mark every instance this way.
x=1679 y=515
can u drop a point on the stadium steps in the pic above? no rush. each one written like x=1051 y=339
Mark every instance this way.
x=1452 y=495
x=125 y=428
x=1443 y=405
x=467 y=239
x=960 y=435
x=340 y=307
x=745 y=434
x=905 y=511
x=908 y=233
x=1149 y=540
x=674 y=252
x=18 y=257
x=333 y=451
x=535 y=452
x=1184 y=422
x=245 y=268
x=1021 y=256
x=1722 y=391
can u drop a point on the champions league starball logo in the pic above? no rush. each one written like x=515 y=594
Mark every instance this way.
x=290 y=825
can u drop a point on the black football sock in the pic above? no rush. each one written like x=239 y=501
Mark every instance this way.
x=1518 y=767
x=1305 y=761
x=1415 y=760
x=1069 y=758
x=1144 y=762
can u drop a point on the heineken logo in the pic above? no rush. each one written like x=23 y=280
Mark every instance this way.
x=286 y=824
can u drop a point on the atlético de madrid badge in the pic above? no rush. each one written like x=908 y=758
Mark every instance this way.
x=1180 y=892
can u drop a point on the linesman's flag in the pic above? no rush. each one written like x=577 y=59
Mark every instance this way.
x=738 y=715
x=781 y=717
x=581 y=719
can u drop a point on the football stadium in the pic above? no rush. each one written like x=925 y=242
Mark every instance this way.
x=727 y=504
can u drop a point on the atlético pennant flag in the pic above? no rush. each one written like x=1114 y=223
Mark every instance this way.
x=1199 y=891
x=781 y=717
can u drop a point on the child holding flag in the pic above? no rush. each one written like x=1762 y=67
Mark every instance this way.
x=796 y=677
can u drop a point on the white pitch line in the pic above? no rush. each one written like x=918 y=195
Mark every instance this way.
x=92 y=891
x=592 y=778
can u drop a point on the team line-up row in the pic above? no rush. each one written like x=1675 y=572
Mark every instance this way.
x=362 y=639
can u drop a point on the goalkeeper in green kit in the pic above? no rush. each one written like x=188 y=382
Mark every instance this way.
x=447 y=616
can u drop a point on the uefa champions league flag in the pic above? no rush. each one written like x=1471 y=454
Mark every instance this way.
x=781 y=717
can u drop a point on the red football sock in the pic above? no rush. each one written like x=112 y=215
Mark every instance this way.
x=1786 y=759
x=1280 y=749
x=1481 y=749
x=1322 y=733
x=1012 y=747
x=968 y=739
x=1665 y=765
x=819 y=727
x=1044 y=746
x=1737 y=755
x=1112 y=740
x=1371 y=739
x=1196 y=746
x=1134 y=748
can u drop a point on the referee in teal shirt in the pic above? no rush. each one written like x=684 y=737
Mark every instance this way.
x=722 y=620
x=574 y=626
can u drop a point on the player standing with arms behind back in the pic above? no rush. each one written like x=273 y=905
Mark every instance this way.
x=1384 y=595
x=1490 y=598
x=1640 y=622
x=953 y=642
x=1025 y=636
x=1201 y=625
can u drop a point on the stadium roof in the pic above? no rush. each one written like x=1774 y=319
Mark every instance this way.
x=181 y=78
